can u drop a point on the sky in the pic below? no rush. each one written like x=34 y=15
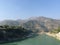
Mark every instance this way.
x=23 y=9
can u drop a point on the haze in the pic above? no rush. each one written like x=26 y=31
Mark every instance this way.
x=23 y=9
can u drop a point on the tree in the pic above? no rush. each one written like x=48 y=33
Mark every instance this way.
x=6 y=26
x=56 y=30
x=1 y=26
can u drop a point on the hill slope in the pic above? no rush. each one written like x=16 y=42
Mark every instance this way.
x=35 y=24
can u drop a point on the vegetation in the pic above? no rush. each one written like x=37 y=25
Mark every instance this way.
x=9 y=33
x=56 y=30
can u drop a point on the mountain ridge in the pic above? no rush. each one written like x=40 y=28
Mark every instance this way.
x=35 y=23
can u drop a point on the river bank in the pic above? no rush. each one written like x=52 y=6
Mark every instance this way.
x=32 y=35
x=57 y=35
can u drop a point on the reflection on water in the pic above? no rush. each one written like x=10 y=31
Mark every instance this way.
x=39 y=40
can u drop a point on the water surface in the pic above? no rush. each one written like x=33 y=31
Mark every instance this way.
x=39 y=40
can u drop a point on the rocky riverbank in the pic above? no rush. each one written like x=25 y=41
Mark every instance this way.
x=57 y=36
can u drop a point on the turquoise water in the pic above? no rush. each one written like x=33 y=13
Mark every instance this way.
x=39 y=40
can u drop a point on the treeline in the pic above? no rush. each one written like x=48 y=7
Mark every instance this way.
x=10 y=27
x=9 y=33
x=56 y=30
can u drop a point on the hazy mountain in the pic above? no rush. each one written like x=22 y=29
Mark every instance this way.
x=35 y=23
x=9 y=22
x=12 y=22
x=42 y=23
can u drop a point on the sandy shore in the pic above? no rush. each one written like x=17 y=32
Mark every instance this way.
x=57 y=36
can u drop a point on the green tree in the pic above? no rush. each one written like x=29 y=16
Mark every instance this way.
x=6 y=26
x=56 y=30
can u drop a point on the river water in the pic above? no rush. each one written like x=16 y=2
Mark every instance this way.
x=39 y=40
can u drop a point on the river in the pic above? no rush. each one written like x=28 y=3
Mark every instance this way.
x=39 y=40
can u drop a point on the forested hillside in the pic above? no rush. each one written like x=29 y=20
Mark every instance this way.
x=12 y=33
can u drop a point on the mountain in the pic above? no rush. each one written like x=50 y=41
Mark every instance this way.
x=35 y=23
x=9 y=22
x=12 y=22
x=42 y=24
